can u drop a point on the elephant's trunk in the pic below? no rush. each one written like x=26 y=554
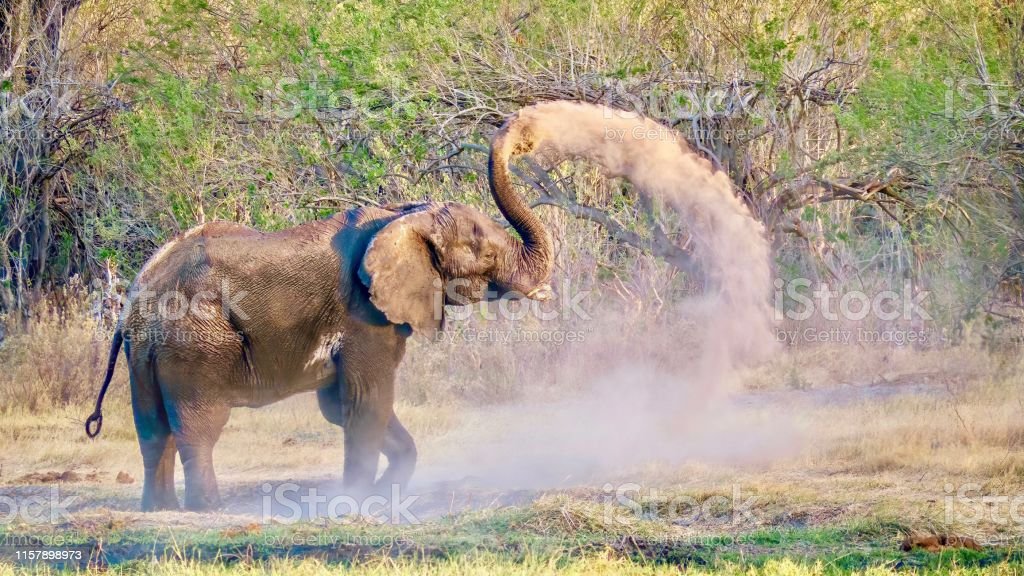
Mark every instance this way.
x=532 y=268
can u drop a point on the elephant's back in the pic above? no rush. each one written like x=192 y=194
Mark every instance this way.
x=178 y=314
x=220 y=280
x=184 y=258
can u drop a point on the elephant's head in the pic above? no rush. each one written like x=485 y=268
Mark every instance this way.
x=453 y=254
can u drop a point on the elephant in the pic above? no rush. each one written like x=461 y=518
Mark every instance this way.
x=226 y=316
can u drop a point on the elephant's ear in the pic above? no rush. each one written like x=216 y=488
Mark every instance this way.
x=398 y=268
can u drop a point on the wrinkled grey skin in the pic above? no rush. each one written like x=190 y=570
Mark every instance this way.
x=327 y=306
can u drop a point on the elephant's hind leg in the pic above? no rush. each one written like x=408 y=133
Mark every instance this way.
x=400 y=450
x=195 y=444
x=197 y=417
x=155 y=439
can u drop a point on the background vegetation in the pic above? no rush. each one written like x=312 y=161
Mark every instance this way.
x=878 y=140
x=881 y=142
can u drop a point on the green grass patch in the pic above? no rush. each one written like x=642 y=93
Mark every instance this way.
x=540 y=539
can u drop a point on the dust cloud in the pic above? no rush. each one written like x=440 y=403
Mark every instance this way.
x=664 y=169
x=637 y=412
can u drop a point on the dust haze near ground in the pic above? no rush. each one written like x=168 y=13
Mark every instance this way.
x=638 y=412
x=632 y=418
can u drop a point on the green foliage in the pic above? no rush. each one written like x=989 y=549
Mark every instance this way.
x=274 y=113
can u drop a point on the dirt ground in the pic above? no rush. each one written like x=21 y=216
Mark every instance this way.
x=854 y=457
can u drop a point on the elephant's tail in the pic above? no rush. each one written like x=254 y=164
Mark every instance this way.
x=97 y=415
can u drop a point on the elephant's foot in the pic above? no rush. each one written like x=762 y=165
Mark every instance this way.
x=201 y=502
x=389 y=490
x=386 y=487
x=364 y=438
x=400 y=451
x=160 y=502
x=201 y=492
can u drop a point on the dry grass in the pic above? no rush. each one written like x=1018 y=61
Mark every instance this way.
x=869 y=431
x=54 y=360
x=949 y=410
x=285 y=440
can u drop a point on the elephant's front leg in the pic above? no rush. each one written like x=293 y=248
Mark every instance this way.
x=400 y=449
x=369 y=399
x=364 y=439
x=398 y=446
